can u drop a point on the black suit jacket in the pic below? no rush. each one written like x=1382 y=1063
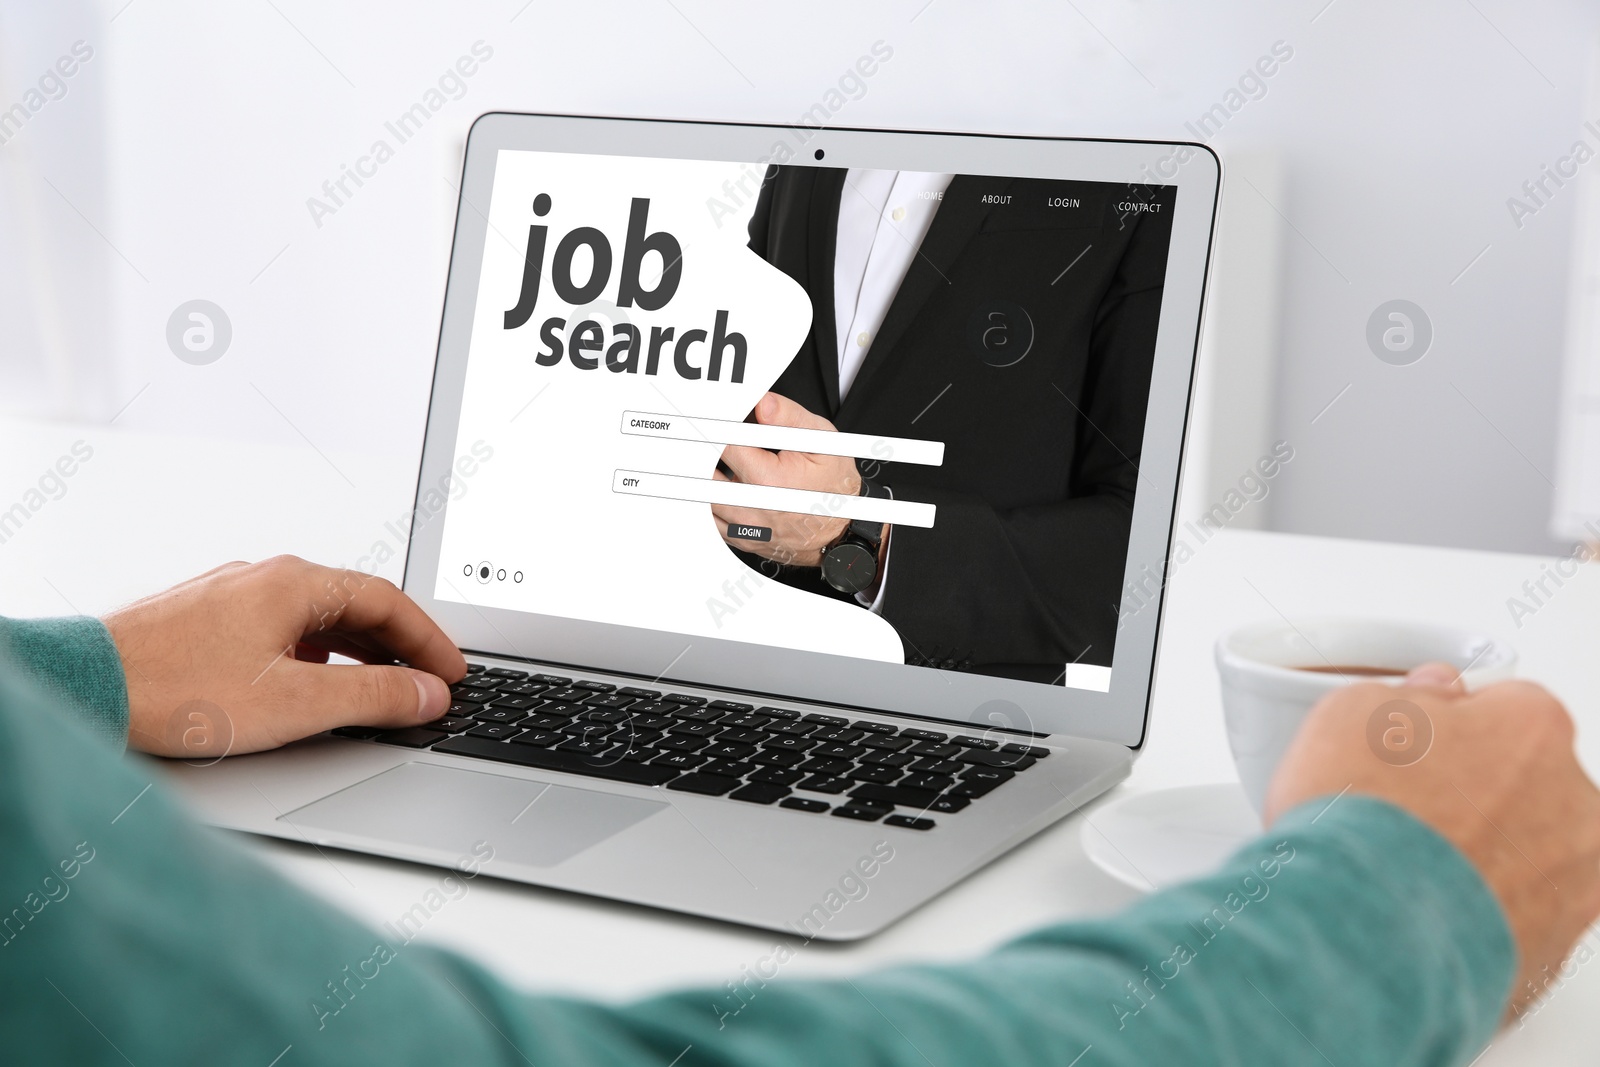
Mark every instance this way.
x=1022 y=572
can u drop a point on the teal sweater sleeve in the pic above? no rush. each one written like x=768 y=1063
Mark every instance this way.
x=73 y=660
x=1353 y=935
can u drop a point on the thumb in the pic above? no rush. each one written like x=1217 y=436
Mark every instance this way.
x=777 y=410
x=363 y=695
x=1436 y=675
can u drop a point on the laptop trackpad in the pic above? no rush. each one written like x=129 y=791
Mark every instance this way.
x=452 y=812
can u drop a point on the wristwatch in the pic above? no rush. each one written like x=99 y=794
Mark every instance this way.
x=850 y=563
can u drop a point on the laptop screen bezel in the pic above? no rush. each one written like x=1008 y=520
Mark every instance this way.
x=1120 y=714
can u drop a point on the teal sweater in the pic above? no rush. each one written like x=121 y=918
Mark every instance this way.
x=130 y=935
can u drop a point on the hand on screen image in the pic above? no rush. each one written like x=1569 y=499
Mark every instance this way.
x=798 y=538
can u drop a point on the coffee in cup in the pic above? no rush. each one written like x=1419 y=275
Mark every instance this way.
x=1274 y=672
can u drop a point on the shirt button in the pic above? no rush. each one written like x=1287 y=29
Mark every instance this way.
x=899 y=213
x=863 y=339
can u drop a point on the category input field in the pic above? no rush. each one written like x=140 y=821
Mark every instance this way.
x=773 y=498
x=783 y=438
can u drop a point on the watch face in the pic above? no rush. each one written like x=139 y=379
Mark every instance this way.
x=849 y=567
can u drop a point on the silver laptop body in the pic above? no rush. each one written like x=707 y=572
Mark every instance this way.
x=510 y=553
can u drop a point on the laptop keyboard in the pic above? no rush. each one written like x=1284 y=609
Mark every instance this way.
x=812 y=763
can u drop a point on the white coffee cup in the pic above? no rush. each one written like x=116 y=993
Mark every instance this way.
x=1265 y=696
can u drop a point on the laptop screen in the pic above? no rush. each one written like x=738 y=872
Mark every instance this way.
x=889 y=415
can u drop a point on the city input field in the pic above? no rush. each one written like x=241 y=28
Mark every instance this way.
x=773 y=498
x=783 y=438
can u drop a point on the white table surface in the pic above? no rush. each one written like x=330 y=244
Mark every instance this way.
x=146 y=511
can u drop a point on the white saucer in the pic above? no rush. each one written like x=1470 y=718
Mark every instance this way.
x=1155 y=840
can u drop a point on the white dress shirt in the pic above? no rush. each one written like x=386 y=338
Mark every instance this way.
x=883 y=217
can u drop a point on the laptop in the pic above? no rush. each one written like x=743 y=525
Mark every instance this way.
x=801 y=499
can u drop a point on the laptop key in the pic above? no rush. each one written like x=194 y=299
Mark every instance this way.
x=522 y=689
x=682 y=743
x=505 y=672
x=879 y=775
x=466 y=694
x=603 y=715
x=760 y=793
x=973 y=790
x=568 y=694
x=545 y=721
x=822 y=783
x=874 y=727
x=968 y=741
x=887 y=759
x=684 y=698
x=744 y=737
x=550 y=679
x=936 y=782
x=695 y=729
x=655 y=707
x=933 y=749
x=831 y=768
x=925 y=735
x=598 y=687
x=791 y=729
x=747 y=720
x=909 y=822
x=554 y=759
x=777 y=775
x=1025 y=750
x=790 y=744
x=894 y=794
x=887 y=742
x=849 y=752
x=803 y=804
x=368 y=733
x=775 y=758
x=852 y=811
x=538 y=738
x=689 y=714
x=592 y=730
x=639 y=694
x=844 y=735
x=610 y=700
x=520 y=703
x=500 y=715
x=996 y=759
x=683 y=761
x=949 y=804
x=779 y=713
x=936 y=766
x=476 y=668
x=650 y=722
x=728 y=767
x=825 y=720
x=711 y=785
x=730 y=750
x=494 y=730
x=450 y=724
x=584 y=746
x=730 y=705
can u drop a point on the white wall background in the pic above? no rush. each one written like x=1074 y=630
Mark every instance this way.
x=179 y=164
